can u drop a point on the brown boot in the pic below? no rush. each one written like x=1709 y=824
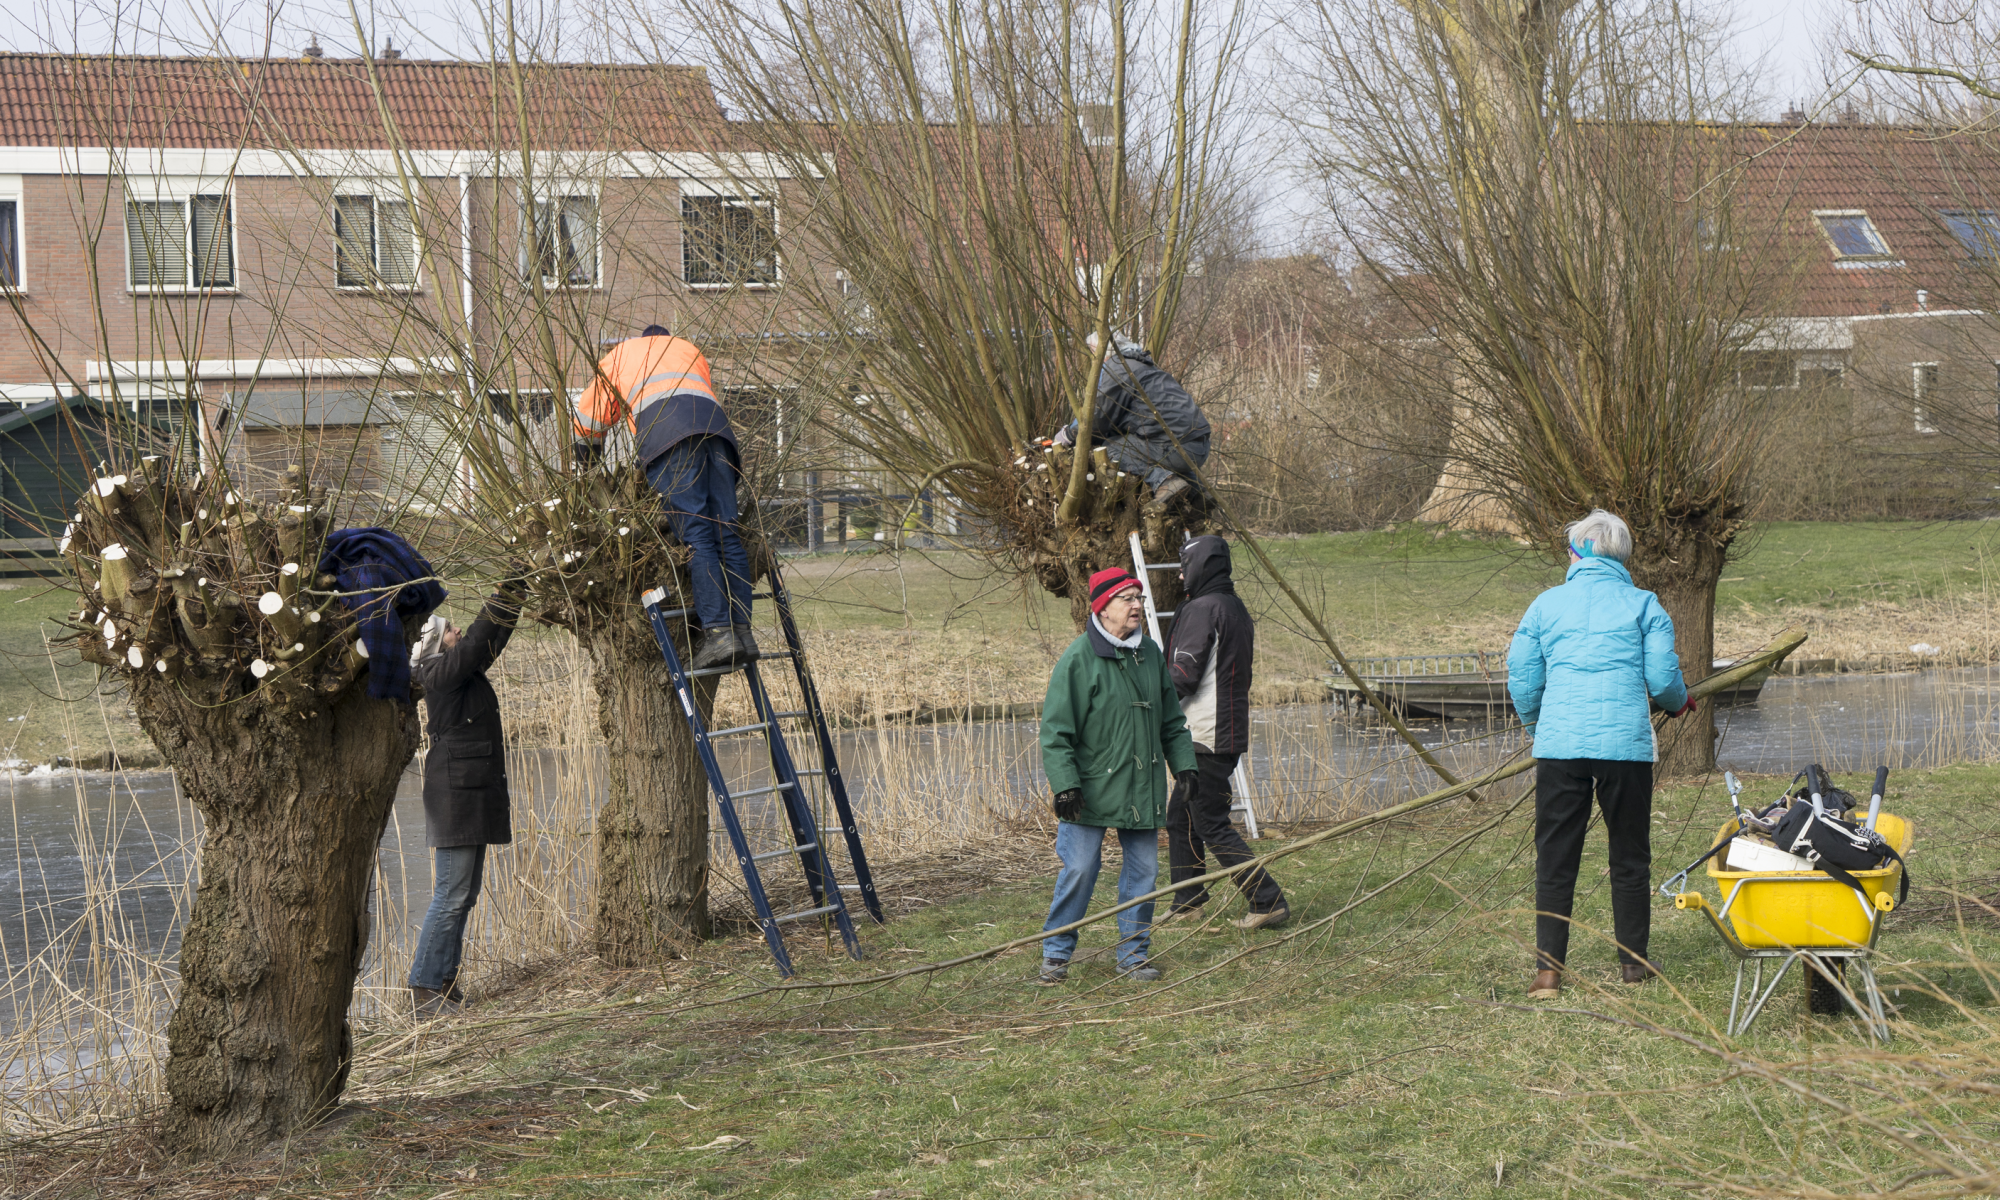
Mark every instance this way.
x=428 y=1003
x=1547 y=985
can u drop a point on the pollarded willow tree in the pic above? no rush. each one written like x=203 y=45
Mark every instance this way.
x=565 y=245
x=340 y=195
x=1552 y=196
x=982 y=187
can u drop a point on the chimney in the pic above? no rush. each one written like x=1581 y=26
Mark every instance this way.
x=313 y=49
x=389 y=51
x=1794 y=115
x=1850 y=115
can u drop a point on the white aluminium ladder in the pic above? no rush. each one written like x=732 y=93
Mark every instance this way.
x=1239 y=779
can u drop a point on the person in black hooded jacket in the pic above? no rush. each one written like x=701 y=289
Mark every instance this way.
x=1208 y=655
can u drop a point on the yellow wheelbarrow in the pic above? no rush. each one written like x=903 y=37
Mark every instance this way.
x=1788 y=916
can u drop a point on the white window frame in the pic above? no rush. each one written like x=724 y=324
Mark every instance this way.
x=1919 y=393
x=556 y=193
x=373 y=194
x=181 y=190
x=1886 y=258
x=10 y=193
x=695 y=190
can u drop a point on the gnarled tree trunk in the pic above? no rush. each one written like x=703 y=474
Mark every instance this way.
x=294 y=805
x=1683 y=573
x=652 y=830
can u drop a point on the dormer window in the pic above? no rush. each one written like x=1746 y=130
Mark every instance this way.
x=1855 y=239
x=1976 y=230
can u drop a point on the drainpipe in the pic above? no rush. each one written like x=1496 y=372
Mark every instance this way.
x=465 y=306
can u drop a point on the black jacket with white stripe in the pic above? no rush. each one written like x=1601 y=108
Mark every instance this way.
x=1209 y=650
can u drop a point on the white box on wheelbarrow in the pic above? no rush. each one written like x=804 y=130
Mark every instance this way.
x=1746 y=855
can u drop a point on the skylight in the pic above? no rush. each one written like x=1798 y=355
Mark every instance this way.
x=1978 y=230
x=1853 y=235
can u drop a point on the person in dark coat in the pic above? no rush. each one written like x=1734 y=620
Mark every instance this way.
x=1146 y=421
x=1208 y=655
x=466 y=804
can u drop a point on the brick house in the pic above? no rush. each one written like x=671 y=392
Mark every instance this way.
x=282 y=263
x=1882 y=333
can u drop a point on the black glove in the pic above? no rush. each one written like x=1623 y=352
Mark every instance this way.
x=1184 y=782
x=585 y=456
x=1069 y=804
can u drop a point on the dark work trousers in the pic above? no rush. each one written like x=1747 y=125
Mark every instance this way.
x=1157 y=458
x=697 y=482
x=1562 y=813
x=1202 y=823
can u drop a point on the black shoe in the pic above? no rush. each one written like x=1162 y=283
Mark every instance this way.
x=719 y=647
x=1640 y=972
x=749 y=652
x=1054 y=971
x=1143 y=973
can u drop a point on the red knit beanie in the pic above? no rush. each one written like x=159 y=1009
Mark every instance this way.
x=1106 y=584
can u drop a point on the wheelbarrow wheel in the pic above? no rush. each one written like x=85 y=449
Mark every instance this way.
x=1823 y=998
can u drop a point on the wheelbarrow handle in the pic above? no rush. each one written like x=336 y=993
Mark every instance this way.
x=1875 y=800
x=1676 y=884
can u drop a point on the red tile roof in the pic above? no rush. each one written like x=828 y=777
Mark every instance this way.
x=1903 y=178
x=91 y=100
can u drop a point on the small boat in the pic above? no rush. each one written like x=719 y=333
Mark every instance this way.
x=1472 y=685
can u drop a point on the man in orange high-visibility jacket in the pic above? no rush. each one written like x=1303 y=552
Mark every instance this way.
x=659 y=386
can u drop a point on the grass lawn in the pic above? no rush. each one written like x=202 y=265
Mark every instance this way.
x=893 y=631
x=1389 y=1054
x=1864 y=590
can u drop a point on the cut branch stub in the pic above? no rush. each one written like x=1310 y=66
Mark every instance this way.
x=180 y=556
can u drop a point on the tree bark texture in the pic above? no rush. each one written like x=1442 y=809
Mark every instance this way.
x=293 y=804
x=1683 y=573
x=652 y=828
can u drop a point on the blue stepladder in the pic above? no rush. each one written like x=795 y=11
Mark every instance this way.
x=787 y=780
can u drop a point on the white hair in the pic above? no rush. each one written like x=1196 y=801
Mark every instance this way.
x=1600 y=535
x=431 y=640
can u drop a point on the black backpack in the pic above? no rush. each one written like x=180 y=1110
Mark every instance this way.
x=1835 y=845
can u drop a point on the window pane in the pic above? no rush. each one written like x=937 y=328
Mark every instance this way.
x=10 y=243
x=1854 y=236
x=1978 y=232
x=728 y=241
x=396 y=242
x=579 y=240
x=701 y=239
x=1765 y=368
x=156 y=243
x=353 y=240
x=214 y=258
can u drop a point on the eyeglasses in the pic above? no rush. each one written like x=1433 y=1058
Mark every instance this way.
x=1131 y=597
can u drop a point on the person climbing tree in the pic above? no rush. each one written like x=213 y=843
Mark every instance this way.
x=1146 y=421
x=659 y=386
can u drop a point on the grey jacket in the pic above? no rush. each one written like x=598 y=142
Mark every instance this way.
x=1136 y=398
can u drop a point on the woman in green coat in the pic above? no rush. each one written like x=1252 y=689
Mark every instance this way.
x=1110 y=722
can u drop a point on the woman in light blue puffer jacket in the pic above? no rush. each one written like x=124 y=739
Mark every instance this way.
x=1590 y=660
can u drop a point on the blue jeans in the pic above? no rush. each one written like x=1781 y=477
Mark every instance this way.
x=1080 y=847
x=435 y=965
x=697 y=483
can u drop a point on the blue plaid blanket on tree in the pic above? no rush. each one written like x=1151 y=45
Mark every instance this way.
x=383 y=570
